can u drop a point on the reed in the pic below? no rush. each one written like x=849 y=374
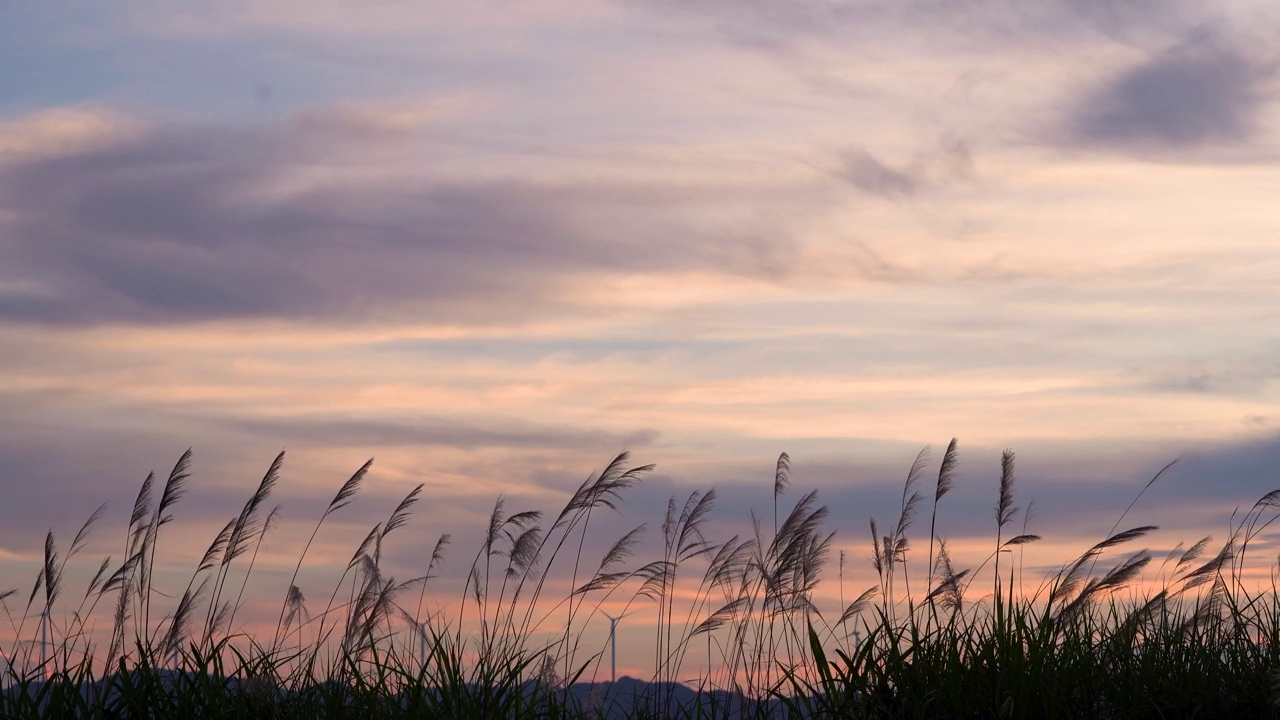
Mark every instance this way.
x=740 y=615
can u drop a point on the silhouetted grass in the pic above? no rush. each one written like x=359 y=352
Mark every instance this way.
x=1195 y=641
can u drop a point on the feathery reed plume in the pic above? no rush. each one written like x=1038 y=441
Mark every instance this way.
x=242 y=533
x=359 y=556
x=910 y=496
x=362 y=549
x=52 y=574
x=724 y=614
x=1135 y=500
x=372 y=609
x=496 y=518
x=92 y=594
x=82 y=535
x=1020 y=540
x=216 y=548
x=401 y=514
x=1005 y=509
x=245 y=526
x=781 y=479
x=604 y=577
x=1067 y=580
x=948 y=590
x=371 y=606
x=141 y=509
x=174 y=489
x=49 y=578
x=598 y=490
x=781 y=475
x=1114 y=579
x=178 y=625
x=120 y=581
x=946 y=472
x=877 y=560
x=946 y=475
x=397 y=519
x=437 y=554
x=522 y=558
x=1191 y=554
x=1252 y=525
x=297 y=605
x=859 y=605
x=339 y=501
x=219 y=621
x=253 y=559
x=1211 y=569
x=1144 y=612
x=135 y=536
x=98 y=577
x=683 y=540
x=891 y=549
x=691 y=540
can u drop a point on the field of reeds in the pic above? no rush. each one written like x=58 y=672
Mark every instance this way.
x=1114 y=633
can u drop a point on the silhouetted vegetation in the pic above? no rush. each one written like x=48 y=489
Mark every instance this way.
x=1085 y=642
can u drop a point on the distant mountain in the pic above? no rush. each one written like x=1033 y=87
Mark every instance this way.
x=626 y=698
x=620 y=700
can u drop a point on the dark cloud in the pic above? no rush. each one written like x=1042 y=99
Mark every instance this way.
x=1204 y=92
x=949 y=161
x=868 y=174
x=188 y=223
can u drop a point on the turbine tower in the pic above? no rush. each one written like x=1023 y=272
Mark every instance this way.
x=44 y=642
x=613 y=644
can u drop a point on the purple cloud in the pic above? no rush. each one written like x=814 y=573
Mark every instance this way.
x=1204 y=92
x=182 y=224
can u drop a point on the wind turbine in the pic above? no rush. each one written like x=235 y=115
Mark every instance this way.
x=44 y=641
x=44 y=630
x=421 y=629
x=613 y=644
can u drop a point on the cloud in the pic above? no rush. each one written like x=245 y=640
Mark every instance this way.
x=1239 y=376
x=868 y=174
x=61 y=130
x=952 y=23
x=1203 y=92
x=187 y=223
x=341 y=432
x=950 y=161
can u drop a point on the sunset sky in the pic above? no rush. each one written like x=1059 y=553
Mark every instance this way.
x=492 y=244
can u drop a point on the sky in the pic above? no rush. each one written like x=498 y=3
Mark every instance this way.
x=493 y=244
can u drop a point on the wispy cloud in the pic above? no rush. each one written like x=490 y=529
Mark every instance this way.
x=199 y=223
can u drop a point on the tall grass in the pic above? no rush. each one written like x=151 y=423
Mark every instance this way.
x=739 y=618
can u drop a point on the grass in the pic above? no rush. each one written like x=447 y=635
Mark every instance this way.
x=1193 y=639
